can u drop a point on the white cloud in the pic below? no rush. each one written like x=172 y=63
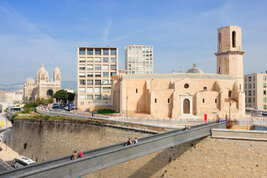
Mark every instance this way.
x=107 y=31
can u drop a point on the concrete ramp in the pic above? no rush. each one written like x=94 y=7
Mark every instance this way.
x=104 y=157
x=259 y=135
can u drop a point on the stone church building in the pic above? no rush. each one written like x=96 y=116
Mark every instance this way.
x=188 y=95
x=43 y=88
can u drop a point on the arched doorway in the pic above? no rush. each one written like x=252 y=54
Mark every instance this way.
x=186 y=106
x=50 y=93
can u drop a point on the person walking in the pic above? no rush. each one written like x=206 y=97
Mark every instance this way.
x=75 y=155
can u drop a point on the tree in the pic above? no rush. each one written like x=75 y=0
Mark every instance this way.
x=71 y=97
x=61 y=96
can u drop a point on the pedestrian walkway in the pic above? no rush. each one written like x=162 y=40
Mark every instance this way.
x=164 y=123
x=7 y=154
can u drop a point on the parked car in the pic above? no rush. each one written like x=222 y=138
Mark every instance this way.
x=22 y=162
x=70 y=107
x=264 y=113
x=55 y=105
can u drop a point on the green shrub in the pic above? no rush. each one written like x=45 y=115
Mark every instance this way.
x=47 y=117
x=13 y=117
x=105 y=111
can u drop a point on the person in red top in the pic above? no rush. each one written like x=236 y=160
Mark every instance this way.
x=81 y=154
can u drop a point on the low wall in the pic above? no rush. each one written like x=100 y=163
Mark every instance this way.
x=240 y=134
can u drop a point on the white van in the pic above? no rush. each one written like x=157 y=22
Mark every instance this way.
x=22 y=161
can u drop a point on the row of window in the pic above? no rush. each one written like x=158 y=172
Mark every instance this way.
x=96 y=74
x=249 y=78
x=249 y=100
x=138 y=56
x=249 y=93
x=138 y=51
x=97 y=67
x=95 y=82
x=264 y=106
x=140 y=47
x=139 y=72
x=137 y=60
x=94 y=97
x=248 y=86
x=92 y=90
x=88 y=51
x=98 y=59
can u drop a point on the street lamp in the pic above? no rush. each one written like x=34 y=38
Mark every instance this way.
x=229 y=96
x=126 y=102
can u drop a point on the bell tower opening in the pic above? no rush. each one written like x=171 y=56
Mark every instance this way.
x=220 y=41
x=233 y=39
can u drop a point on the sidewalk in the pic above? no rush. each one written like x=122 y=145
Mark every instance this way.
x=164 y=123
x=7 y=154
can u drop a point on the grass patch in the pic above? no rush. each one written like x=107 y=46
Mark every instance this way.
x=28 y=110
x=106 y=111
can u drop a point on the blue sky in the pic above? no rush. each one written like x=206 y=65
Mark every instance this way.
x=182 y=33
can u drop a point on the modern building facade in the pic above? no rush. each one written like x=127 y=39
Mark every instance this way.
x=256 y=91
x=95 y=68
x=194 y=94
x=139 y=59
x=42 y=88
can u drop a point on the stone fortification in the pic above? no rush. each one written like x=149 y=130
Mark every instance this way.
x=47 y=140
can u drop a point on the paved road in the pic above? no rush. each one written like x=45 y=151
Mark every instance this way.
x=4 y=166
x=4 y=124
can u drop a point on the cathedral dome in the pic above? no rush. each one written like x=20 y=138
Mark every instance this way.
x=195 y=69
x=57 y=75
x=56 y=70
x=30 y=81
x=42 y=71
x=42 y=74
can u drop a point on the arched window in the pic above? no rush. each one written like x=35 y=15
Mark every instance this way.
x=233 y=39
x=186 y=106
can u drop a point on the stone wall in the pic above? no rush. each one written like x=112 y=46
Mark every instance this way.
x=200 y=158
x=52 y=139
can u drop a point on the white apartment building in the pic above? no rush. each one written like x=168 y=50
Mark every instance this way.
x=96 y=65
x=256 y=90
x=139 y=59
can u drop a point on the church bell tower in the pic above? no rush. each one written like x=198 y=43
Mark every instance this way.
x=230 y=54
